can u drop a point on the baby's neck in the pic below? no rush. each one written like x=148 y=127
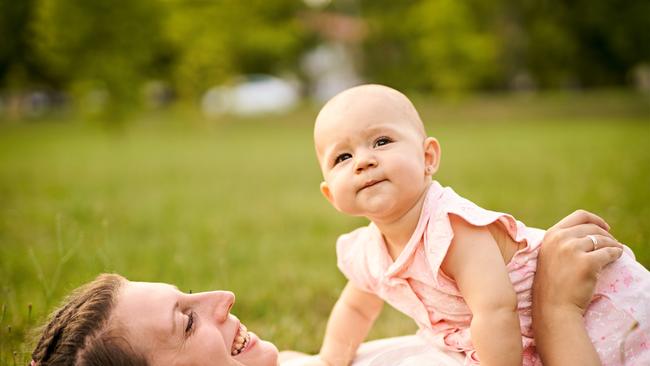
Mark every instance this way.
x=397 y=232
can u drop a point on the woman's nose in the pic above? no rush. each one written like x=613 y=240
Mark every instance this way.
x=218 y=303
x=225 y=300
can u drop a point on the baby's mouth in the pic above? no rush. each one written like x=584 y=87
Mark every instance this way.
x=241 y=341
x=371 y=183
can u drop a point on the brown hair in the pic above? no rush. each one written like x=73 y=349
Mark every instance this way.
x=77 y=333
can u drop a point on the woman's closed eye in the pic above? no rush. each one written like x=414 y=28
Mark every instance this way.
x=342 y=157
x=190 y=323
x=381 y=141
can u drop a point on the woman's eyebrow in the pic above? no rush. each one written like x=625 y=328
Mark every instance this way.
x=173 y=317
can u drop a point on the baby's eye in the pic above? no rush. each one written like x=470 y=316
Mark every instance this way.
x=342 y=157
x=382 y=141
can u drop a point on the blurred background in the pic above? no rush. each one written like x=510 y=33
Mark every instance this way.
x=171 y=140
x=152 y=53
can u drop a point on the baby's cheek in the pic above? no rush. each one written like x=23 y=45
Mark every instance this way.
x=408 y=168
x=342 y=189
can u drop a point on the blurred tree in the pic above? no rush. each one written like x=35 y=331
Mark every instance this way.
x=451 y=45
x=614 y=36
x=430 y=44
x=584 y=43
x=199 y=40
x=18 y=66
x=107 y=45
x=215 y=41
x=551 y=48
x=459 y=54
x=388 y=47
x=446 y=45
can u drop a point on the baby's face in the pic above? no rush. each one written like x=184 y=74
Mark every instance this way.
x=372 y=151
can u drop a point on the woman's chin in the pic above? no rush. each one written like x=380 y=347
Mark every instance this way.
x=264 y=354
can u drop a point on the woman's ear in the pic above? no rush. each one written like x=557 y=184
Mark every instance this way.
x=431 y=155
x=325 y=190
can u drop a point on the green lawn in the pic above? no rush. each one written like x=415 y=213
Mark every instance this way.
x=234 y=203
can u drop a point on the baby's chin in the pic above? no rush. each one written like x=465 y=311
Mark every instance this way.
x=381 y=206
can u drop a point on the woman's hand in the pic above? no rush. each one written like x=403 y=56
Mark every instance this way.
x=569 y=261
x=567 y=269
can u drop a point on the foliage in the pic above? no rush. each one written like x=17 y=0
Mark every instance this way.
x=441 y=45
x=472 y=44
x=215 y=41
x=115 y=46
x=17 y=65
x=101 y=44
x=459 y=54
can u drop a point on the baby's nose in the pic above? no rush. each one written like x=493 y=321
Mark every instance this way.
x=365 y=162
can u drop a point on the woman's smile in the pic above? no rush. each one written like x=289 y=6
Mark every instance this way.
x=241 y=340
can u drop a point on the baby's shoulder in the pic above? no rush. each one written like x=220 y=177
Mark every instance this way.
x=456 y=215
x=355 y=240
x=450 y=202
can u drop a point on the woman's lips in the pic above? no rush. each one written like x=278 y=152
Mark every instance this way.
x=252 y=341
x=241 y=341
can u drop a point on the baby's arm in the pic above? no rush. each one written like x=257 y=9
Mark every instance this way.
x=349 y=323
x=475 y=262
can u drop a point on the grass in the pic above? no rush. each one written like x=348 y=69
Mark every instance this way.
x=234 y=203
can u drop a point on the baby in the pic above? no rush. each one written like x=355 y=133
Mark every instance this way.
x=463 y=273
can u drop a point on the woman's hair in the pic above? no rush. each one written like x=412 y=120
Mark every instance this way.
x=78 y=332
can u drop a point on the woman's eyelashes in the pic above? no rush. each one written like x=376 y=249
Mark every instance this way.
x=190 y=323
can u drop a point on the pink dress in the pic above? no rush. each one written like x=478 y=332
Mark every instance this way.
x=617 y=318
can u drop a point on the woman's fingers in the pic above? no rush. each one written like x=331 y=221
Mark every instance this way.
x=589 y=258
x=581 y=217
x=604 y=241
x=606 y=251
x=586 y=243
x=603 y=256
x=582 y=230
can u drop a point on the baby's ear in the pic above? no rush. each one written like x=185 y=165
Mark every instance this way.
x=431 y=155
x=325 y=190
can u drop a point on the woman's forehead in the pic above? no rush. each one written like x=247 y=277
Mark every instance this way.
x=146 y=304
x=147 y=312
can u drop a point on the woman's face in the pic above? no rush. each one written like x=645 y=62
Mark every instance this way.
x=174 y=328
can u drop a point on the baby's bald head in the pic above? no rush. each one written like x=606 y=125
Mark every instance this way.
x=366 y=103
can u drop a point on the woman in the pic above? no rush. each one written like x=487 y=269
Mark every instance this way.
x=112 y=321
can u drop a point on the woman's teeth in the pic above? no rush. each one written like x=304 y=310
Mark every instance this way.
x=241 y=341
